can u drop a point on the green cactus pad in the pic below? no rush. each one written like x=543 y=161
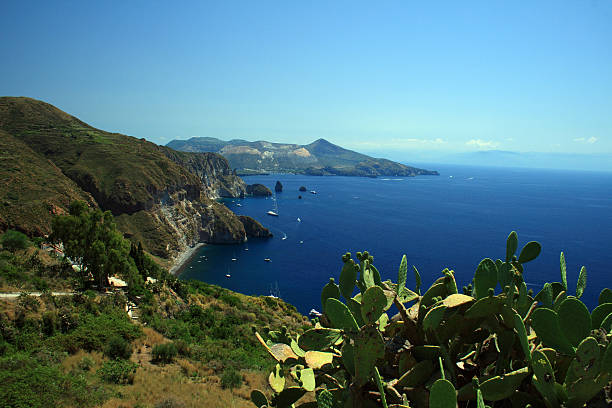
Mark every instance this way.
x=530 y=252
x=605 y=296
x=502 y=387
x=485 y=307
x=319 y=339
x=296 y=348
x=606 y=361
x=442 y=394
x=317 y=359
x=582 y=281
x=546 y=324
x=558 y=300
x=402 y=275
x=355 y=308
x=307 y=379
x=485 y=278
x=348 y=357
x=381 y=387
x=544 y=377
x=288 y=397
x=325 y=399
x=574 y=320
x=348 y=277
x=437 y=289
x=340 y=316
x=434 y=317
x=511 y=245
x=331 y=290
x=563 y=267
x=504 y=274
x=428 y=352
x=519 y=326
x=369 y=347
x=599 y=314
x=417 y=375
x=276 y=379
x=417 y=278
x=259 y=399
x=373 y=304
x=607 y=323
x=545 y=296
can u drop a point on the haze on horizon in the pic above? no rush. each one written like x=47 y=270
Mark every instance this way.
x=390 y=79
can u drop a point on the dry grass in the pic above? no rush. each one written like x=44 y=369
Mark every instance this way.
x=154 y=384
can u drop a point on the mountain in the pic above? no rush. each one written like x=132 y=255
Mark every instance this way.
x=317 y=158
x=159 y=196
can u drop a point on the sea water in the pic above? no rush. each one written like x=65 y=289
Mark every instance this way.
x=453 y=221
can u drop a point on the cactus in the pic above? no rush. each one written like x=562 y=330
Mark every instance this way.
x=331 y=290
x=485 y=278
x=574 y=320
x=509 y=349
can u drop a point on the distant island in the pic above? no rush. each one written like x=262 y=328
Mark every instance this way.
x=319 y=158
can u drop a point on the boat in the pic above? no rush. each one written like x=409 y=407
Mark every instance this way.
x=314 y=313
x=239 y=205
x=299 y=219
x=267 y=260
x=272 y=213
x=313 y=192
x=227 y=275
x=284 y=237
x=246 y=249
x=234 y=259
x=301 y=242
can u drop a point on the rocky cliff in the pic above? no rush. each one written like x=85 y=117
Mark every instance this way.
x=160 y=197
x=253 y=228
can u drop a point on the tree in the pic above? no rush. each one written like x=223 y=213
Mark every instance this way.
x=14 y=240
x=91 y=240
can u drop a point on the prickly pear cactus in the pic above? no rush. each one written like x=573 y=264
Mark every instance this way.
x=495 y=343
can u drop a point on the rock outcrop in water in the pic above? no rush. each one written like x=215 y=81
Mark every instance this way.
x=258 y=190
x=302 y=188
x=253 y=228
x=278 y=187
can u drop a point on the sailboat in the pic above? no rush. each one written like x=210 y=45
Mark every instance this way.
x=275 y=212
x=227 y=275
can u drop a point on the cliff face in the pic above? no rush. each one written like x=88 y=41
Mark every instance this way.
x=160 y=197
x=253 y=228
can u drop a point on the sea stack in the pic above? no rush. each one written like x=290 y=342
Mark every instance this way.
x=302 y=188
x=278 y=187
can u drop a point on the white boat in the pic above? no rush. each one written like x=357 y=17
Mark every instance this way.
x=284 y=238
x=313 y=192
x=234 y=259
x=272 y=213
x=239 y=205
x=301 y=242
x=227 y=275
x=267 y=260
x=314 y=313
x=299 y=219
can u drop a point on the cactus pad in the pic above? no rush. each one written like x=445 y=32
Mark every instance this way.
x=369 y=347
x=546 y=324
x=276 y=379
x=501 y=387
x=348 y=277
x=331 y=290
x=530 y=252
x=442 y=395
x=605 y=296
x=319 y=339
x=317 y=359
x=574 y=320
x=485 y=278
x=340 y=316
x=373 y=304
x=259 y=399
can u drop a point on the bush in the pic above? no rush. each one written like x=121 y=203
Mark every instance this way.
x=118 y=347
x=164 y=353
x=182 y=348
x=118 y=371
x=13 y=240
x=231 y=378
x=86 y=363
x=50 y=323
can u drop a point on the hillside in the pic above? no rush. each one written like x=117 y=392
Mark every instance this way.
x=317 y=158
x=159 y=196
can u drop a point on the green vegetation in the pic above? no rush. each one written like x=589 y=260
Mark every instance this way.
x=14 y=240
x=444 y=348
x=164 y=353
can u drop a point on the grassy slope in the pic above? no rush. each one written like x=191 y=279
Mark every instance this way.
x=123 y=173
x=214 y=323
x=32 y=189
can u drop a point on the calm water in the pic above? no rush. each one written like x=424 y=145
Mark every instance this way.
x=452 y=220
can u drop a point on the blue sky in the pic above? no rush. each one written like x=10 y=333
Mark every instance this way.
x=386 y=77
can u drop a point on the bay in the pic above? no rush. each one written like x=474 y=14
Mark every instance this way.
x=453 y=220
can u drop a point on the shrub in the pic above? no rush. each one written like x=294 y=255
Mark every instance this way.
x=118 y=347
x=182 y=348
x=50 y=323
x=13 y=240
x=170 y=403
x=118 y=371
x=86 y=363
x=164 y=353
x=231 y=378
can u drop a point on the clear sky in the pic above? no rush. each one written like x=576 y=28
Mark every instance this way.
x=373 y=76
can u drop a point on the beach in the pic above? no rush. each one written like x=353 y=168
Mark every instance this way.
x=183 y=259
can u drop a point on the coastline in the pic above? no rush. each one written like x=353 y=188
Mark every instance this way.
x=183 y=258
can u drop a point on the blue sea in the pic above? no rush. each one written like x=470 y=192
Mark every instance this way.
x=449 y=221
